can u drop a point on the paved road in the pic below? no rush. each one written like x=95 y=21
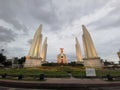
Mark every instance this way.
x=88 y=84
x=100 y=88
x=7 y=88
x=106 y=88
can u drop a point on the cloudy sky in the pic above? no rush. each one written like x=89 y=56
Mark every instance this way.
x=62 y=20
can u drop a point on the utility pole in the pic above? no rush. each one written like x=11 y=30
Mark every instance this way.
x=119 y=55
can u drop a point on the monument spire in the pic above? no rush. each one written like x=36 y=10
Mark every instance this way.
x=44 y=50
x=78 y=51
x=91 y=59
x=90 y=51
x=34 y=56
x=36 y=44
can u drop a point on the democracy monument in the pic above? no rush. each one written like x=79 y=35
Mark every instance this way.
x=91 y=58
x=38 y=51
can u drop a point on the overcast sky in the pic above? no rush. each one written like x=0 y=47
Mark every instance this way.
x=62 y=20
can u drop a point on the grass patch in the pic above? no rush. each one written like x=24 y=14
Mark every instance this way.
x=56 y=72
x=35 y=73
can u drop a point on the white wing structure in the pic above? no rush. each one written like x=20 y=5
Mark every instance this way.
x=78 y=51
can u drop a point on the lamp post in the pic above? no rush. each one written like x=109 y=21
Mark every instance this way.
x=2 y=50
x=119 y=55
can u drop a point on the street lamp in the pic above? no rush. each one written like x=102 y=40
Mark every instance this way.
x=2 y=50
x=119 y=55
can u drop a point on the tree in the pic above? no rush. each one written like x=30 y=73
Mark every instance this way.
x=21 y=61
x=107 y=63
x=2 y=58
x=8 y=63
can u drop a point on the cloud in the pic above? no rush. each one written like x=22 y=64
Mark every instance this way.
x=110 y=20
x=30 y=41
x=9 y=12
x=61 y=21
x=6 y=35
x=15 y=51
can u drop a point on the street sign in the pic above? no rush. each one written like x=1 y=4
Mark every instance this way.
x=90 y=72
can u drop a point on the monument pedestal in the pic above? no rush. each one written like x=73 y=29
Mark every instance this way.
x=80 y=62
x=33 y=62
x=92 y=62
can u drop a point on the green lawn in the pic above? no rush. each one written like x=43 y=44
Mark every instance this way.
x=99 y=73
x=34 y=72
x=57 y=72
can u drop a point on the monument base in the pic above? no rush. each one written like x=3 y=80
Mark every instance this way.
x=33 y=62
x=92 y=62
x=80 y=62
